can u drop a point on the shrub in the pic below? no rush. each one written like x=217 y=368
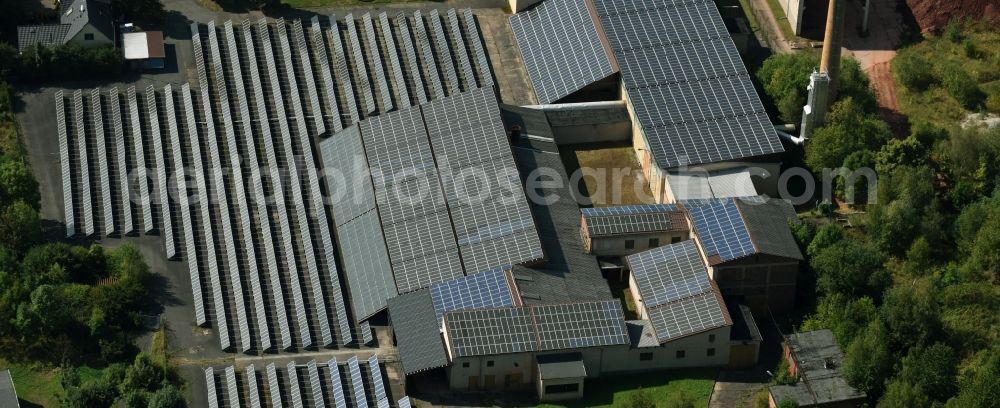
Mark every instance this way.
x=913 y=70
x=961 y=86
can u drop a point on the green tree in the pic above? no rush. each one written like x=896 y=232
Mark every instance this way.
x=20 y=227
x=848 y=128
x=142 y=375
x=96 y=393
x=844 y=317
x=982 y=388
x=895 y=153
x=44 y=315
x=784 y=78
x=851 y=268
x=900 y=394
x=867 y=361
x=933 y=369
x=16 y=182
x=911 y=316
x=826 y=236
x=167 y=397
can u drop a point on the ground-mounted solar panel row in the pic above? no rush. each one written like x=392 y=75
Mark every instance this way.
x=154 y=152
x=345 y=384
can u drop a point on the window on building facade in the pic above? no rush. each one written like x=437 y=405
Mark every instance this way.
x=465 y=364
x=674 y=240
x=489 y=363
x=680 y=353
x=562 y=388
x=654 y=242
x=88 y=37
x=629 y=244
x=645 y=356
x=710 y=352
x=711 y=338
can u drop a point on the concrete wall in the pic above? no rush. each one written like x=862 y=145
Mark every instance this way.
x=544 y=396
x=519 y=371
x=590 y=122
x=99 y=40
x=765 y=281
x=793 y=10
x=615 y=245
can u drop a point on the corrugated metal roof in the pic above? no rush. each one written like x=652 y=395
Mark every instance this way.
x=417 y=332
x=44 y=34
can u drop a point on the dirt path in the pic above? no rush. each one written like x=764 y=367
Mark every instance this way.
x=773 y=37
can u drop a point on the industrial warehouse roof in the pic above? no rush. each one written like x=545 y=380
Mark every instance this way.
x=418 y=333
x=562 y=48
x=535 y=328
x=632 y=219
x=717 y=184
x=690 y=92
x=568 y=274
x=456 y=225
x=733 y=228
x=676 y=291
x=416 y=316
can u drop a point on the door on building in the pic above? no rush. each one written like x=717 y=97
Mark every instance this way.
x=513 y=379
x=489 y=381
x=473 y=382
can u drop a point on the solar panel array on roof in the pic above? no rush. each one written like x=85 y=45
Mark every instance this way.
x=561 y=47
x=479 y=332
x=418 y=234
x=721 y=231
x=579 y=325
x=692 y=96
x=688 y=316
x=489 y=289
x=492 y=220
x=669 y=272
x=632 y=219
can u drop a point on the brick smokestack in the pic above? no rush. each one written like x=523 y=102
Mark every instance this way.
x=832 y=40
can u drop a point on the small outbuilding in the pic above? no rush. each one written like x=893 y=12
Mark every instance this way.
x=144 y=50
x=815 y=359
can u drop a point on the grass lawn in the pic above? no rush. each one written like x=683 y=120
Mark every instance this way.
x=35 y=384
x=613 y=176
x=782 y=19
x=613 y=391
